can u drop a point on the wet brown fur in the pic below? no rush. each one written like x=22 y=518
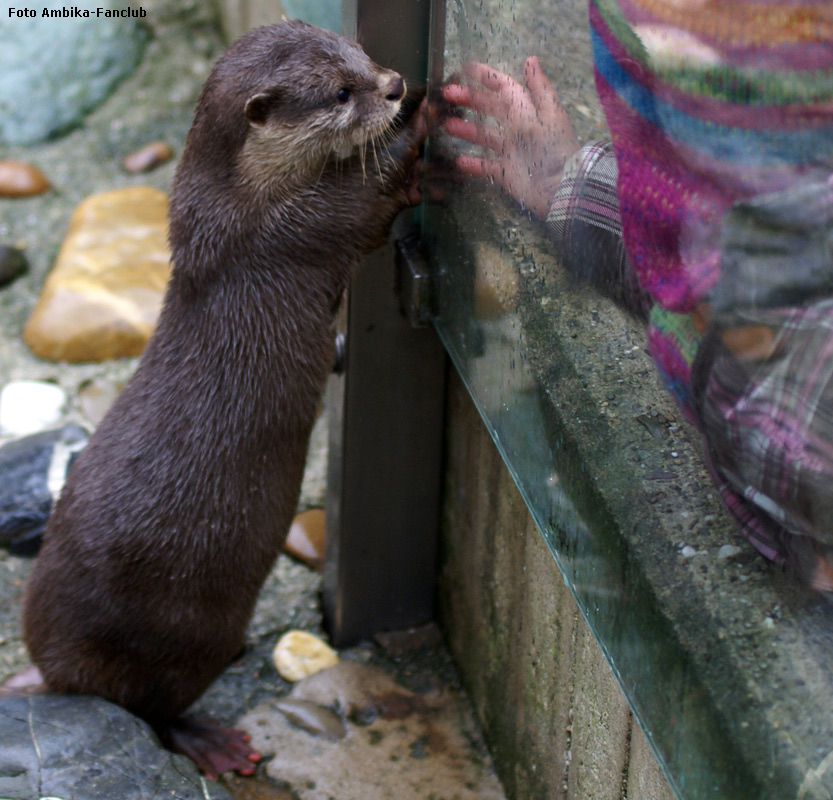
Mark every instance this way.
x=175 y=512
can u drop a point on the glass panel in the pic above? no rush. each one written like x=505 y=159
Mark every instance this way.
x=641 y=479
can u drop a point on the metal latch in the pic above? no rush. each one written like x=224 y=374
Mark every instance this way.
x=413 y=281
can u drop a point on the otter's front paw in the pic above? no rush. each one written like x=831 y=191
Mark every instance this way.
x=406 y=154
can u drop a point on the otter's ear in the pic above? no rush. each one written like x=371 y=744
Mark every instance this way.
x=257 y=108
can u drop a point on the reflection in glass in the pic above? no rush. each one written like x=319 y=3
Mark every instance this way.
x=680 y=165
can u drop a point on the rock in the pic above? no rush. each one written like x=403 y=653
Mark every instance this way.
x=19 y=179
x=61 y=746
x=32 y=473
x=306 y=537
x=103 y=296
x=29 y=407
x=95 y=398
x=147 y=157
x=299 y=654
x=729 y=551
x=54 y=71
x=312 y=718
x=362 y=692
x=12 y=264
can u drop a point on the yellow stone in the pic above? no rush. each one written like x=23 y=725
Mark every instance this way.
x=104 y=294
x=299 y=654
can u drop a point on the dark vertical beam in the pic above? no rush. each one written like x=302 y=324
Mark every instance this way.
x=385 y=410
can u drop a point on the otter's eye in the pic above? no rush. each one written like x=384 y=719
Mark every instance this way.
x=343 y=95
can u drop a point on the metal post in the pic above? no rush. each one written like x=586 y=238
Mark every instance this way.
x=385 y=410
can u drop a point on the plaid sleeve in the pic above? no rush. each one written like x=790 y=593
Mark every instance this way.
x=767 y=416
x=586 y=227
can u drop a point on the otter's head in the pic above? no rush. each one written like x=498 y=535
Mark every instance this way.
x=288 y=97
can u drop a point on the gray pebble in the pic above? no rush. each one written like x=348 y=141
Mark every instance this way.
x=12 y=263
x=32 y=473
x=312 y=718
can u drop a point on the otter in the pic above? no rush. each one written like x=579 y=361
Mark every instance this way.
x=173 y=515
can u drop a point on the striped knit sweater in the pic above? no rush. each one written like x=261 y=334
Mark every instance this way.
x=713 y=105
x=752 y=106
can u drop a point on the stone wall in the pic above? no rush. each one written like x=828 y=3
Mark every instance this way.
x=557 y=724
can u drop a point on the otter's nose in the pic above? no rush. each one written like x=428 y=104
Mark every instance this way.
x=396 y=90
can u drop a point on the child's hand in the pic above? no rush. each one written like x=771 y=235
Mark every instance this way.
x=529 y=143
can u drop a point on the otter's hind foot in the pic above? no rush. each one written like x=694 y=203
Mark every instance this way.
x=211 y=747
x=24 y=684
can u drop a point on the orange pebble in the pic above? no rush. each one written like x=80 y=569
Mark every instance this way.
x=306 y=537
x=147 y=157
x=19 y=179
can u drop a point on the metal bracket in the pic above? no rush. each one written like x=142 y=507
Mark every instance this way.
x=413 y=281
